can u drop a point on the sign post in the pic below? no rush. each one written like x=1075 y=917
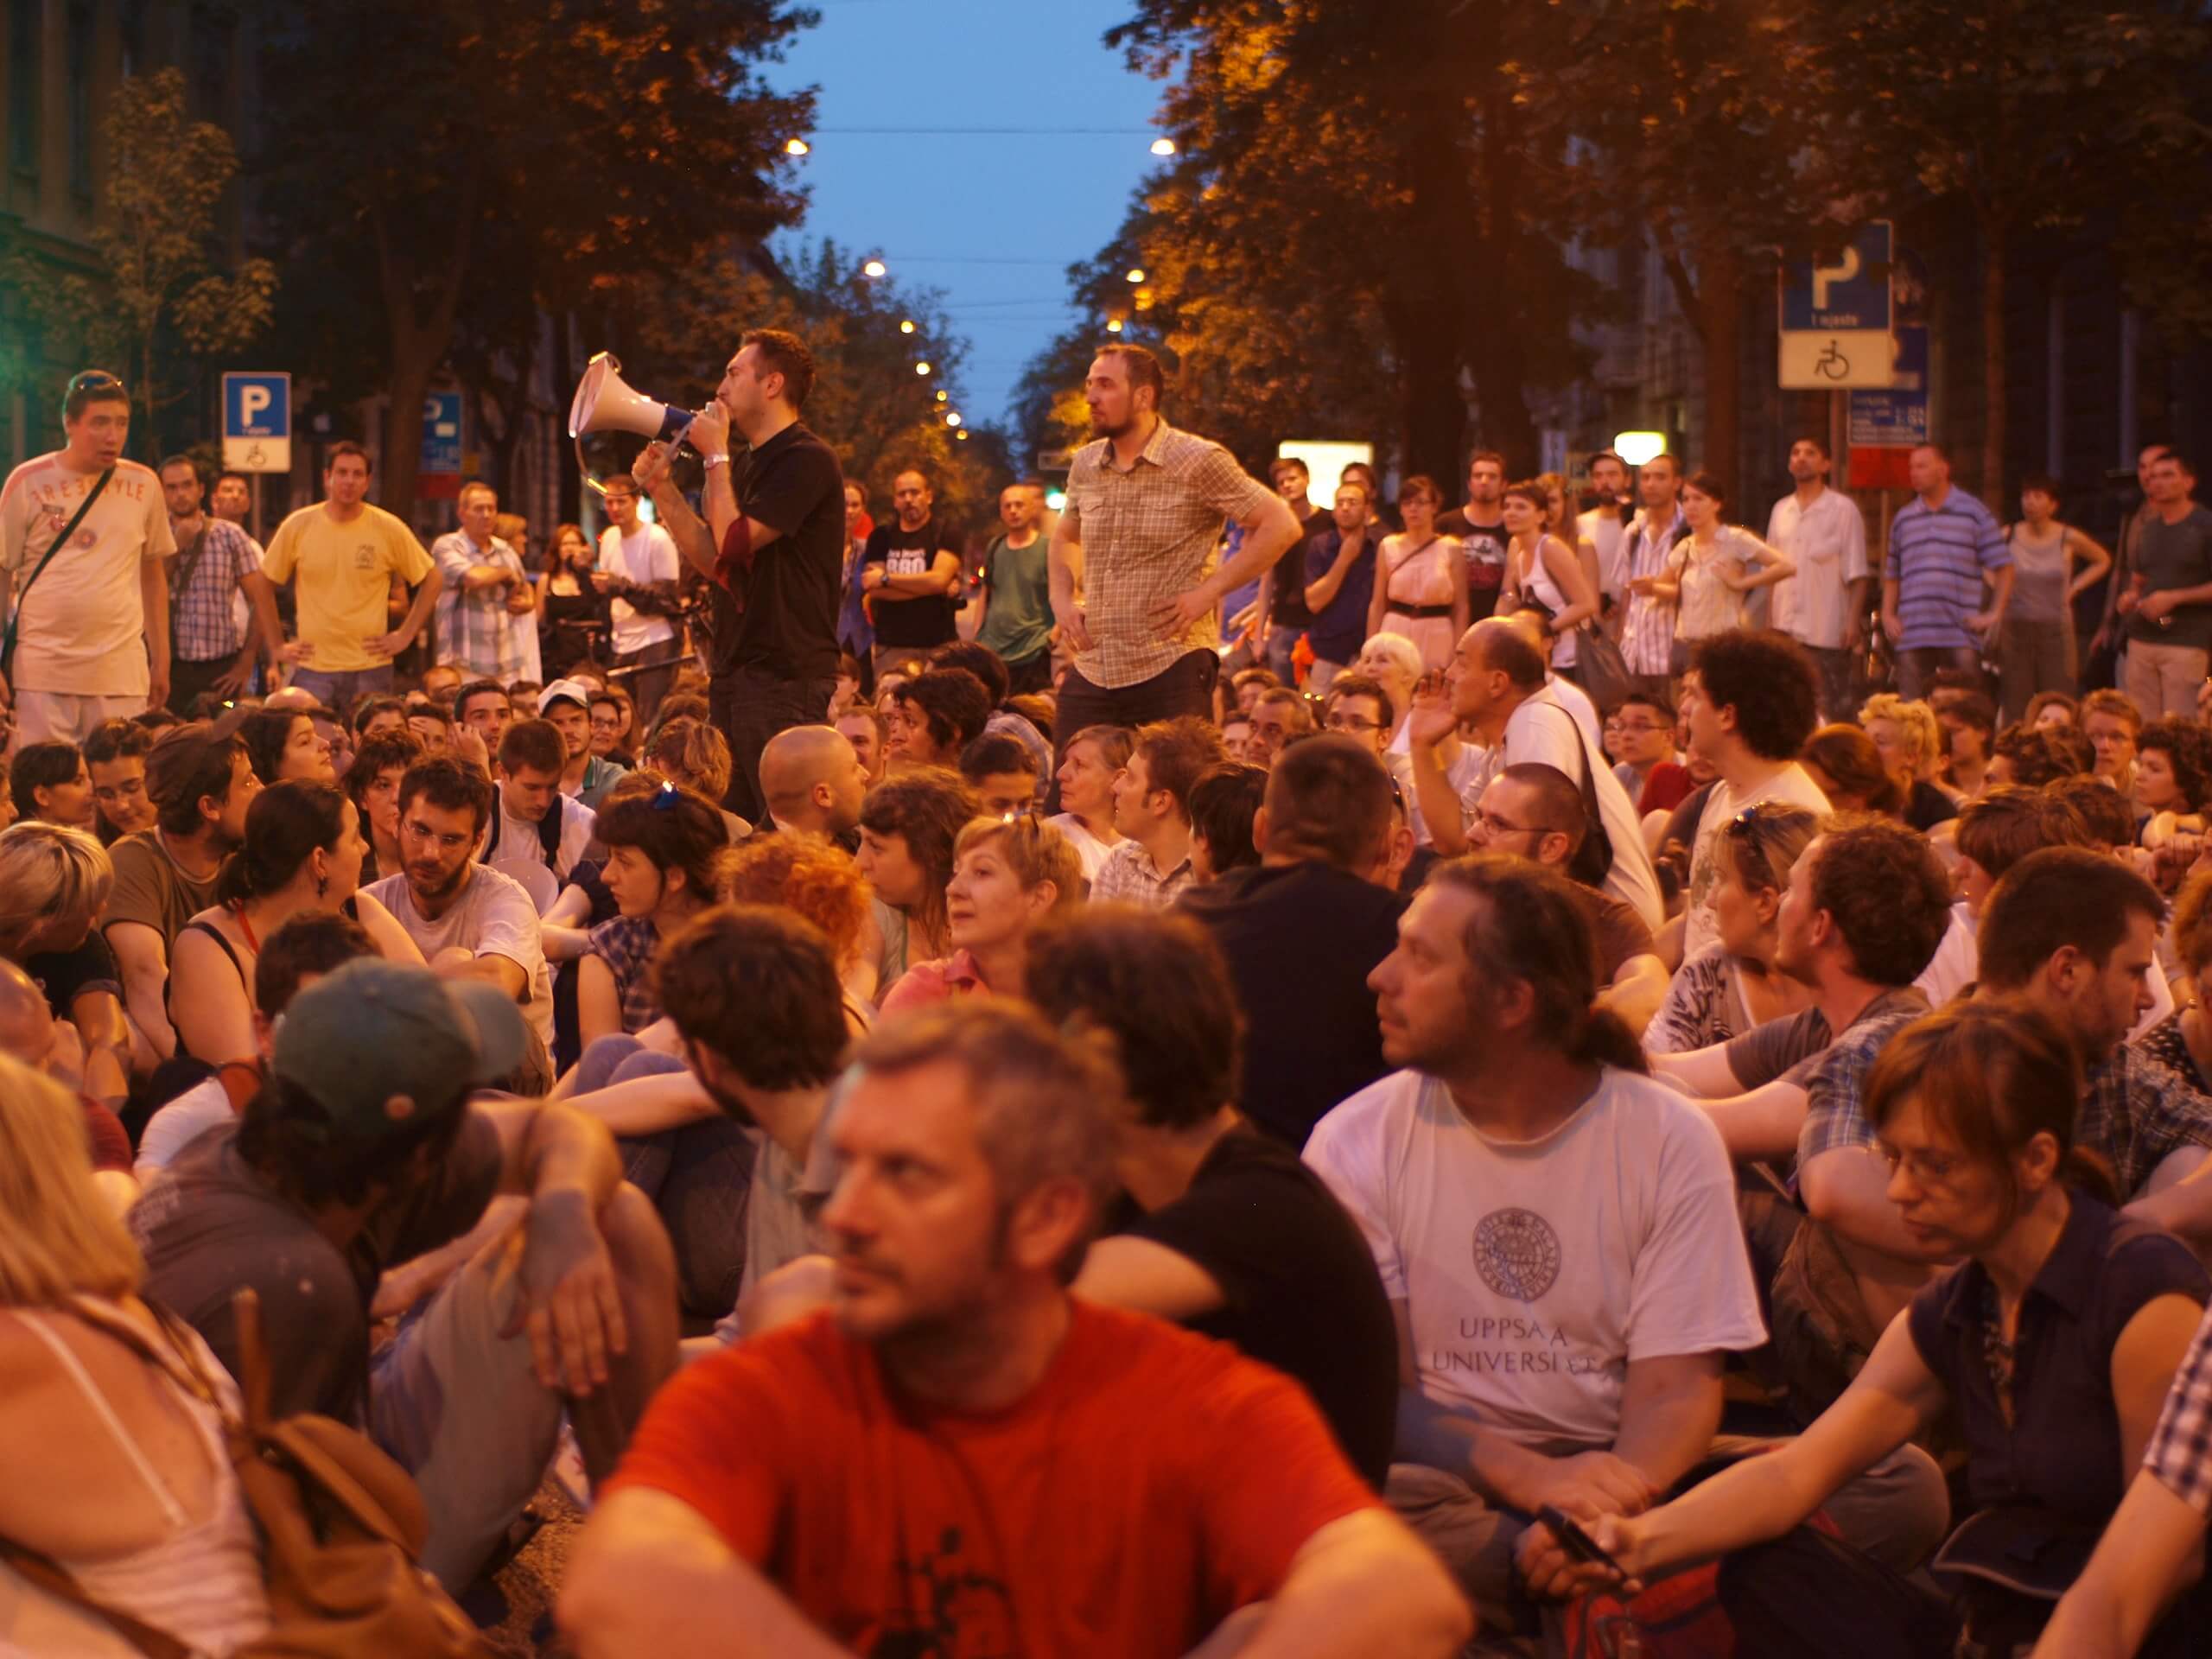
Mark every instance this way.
x=1835 y=316
x=1886 y=427
x=440 y=472
x=257 y=422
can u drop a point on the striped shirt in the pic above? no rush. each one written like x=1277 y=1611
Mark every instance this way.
x=203 y=616
x=2180 y=1453
x=1648 y=636
x=475 y=629
x=1937 y=557
x=1147 y=534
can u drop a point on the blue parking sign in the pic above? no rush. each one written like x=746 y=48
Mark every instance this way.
x=1843 y=291
x=441 y=433
x=257 y=422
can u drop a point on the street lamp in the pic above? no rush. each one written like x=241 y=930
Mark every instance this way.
x=941 y=396
x=1136 y=274
x=952 y=418
x=962 y=434
x=1113 y=325
x=907 y=326
x=873 y=268
x=1163 y=146
x=1637 y=447
x=921 y=368
x=796 y=147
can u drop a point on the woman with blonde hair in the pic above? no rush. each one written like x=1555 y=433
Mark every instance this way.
x=118 y=1469
x=55 y=882
x=1911 y=742
x=695 y=755
x=1008 y=875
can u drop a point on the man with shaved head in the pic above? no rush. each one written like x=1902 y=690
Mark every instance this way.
x=813 y=781
x=910 y=572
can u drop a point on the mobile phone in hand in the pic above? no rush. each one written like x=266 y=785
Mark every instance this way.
x=1577 y=1543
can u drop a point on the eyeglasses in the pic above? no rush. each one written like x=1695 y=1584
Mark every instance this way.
x=1350 y=723
x=1492 y=824
x=93 y=380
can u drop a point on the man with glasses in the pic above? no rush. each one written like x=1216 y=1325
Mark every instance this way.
x=1643 y=730
x=1360 y=707
x=1534 y=811
x=81 y=611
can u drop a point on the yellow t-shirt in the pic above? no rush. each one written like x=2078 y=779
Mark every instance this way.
x=84 y=623
x=345 y=574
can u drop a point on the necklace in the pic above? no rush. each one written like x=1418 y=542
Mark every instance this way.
x=1998 y=1352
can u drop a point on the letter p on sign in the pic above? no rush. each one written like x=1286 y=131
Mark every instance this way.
x=1826 y=277
x=252 y=400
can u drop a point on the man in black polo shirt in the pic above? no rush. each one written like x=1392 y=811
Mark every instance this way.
x=910 y=573
x=1237 y=1239
x=1303 y=931
x=772 y=547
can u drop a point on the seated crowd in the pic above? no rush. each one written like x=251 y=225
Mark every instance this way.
x=1511 y=1158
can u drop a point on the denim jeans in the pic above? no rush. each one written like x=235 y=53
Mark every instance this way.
x=339 y=692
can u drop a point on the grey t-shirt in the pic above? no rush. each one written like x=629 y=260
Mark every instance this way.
x=213 y=1226
x=1772 y=1050
x=2175 y=556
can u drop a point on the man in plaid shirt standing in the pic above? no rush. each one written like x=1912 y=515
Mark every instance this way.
x=1144 y=508
x=214 y=563
x=483 y=587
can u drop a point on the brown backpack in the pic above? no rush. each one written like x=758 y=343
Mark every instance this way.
x=341 y=1527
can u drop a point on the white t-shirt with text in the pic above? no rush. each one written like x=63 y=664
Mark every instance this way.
x=1533 y=1272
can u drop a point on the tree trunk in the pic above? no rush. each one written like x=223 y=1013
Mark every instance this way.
x=1991 y=482
x=1432 y=410
x=1492 y=340
x=1719 y=317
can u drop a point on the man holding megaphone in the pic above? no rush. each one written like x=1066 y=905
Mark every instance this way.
x=771 y=547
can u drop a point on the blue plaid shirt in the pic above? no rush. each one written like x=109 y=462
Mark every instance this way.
x=2180 y=1453
x=202 y=621
x=1835 y=1081
x=475 y=631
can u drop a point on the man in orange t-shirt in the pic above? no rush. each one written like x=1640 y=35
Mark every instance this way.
x=959 y=1460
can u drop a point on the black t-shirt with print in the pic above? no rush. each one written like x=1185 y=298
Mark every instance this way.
x=1300 y=1288
x=924 y=621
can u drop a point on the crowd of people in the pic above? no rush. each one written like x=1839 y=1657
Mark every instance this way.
x=1542 y=1093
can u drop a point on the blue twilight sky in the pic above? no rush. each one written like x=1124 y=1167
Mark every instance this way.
x=992 y=221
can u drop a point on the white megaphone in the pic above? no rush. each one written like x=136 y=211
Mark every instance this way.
x=606 y=402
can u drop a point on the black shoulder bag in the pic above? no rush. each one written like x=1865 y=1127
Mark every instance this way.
x=1593 y=860
x=16 y=616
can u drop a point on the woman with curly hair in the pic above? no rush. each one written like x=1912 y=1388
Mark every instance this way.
x=2036 y=755
x=2173 y=778
x=1911 y=742
x=815 y=880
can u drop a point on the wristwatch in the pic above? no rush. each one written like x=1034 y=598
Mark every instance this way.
x=714 y=461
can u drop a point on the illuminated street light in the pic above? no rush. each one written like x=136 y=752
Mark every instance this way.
x=1136 y=274
x=962 y=434
x=941 y=396
x=873 y=268
x=1113 y=325
x=1163 y=146
x=907 y=326
x=1055 y=499
x=796 y=147
x=1637 y=447
x=952 y=418
x=921 y=368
